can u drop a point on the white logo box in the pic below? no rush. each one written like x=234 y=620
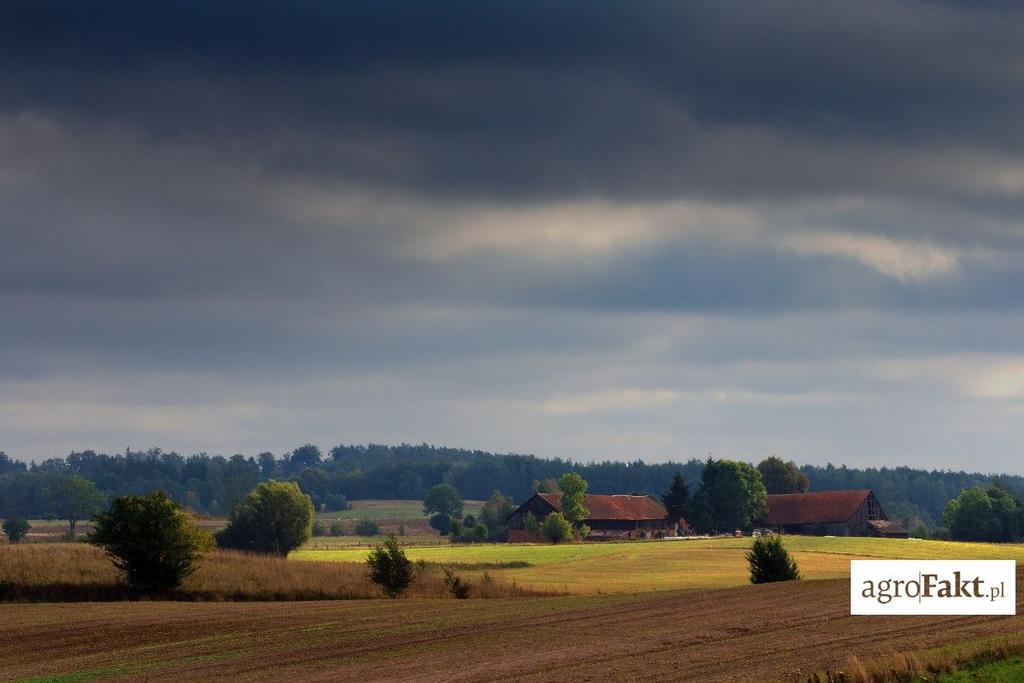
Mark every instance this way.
x=935 y=587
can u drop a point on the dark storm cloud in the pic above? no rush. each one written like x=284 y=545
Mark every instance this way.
x=539 y=99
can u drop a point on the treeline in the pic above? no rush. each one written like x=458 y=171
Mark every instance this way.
x=212 y=484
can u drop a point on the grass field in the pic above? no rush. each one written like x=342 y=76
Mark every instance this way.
x=392 y=510
x=670 y=565
x=78 y=572
x=754 y=633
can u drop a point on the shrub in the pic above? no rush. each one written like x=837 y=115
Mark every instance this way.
x=770 y=561
x=15 y=528
x=276 y=517
x=367 y=527
x=336 y=502
x=456 y=586
x=151 y=539
x=390 y=568
x=441 y=522
x=469 y=521
x=318 y=529
x=337 y=529
x=556 y=528
x=481 y=532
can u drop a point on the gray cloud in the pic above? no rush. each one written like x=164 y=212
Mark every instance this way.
x=586 y=230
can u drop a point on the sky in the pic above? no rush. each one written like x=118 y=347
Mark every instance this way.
x=594 y=231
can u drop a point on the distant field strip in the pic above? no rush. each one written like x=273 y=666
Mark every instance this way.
x=772 y=632
x=670 y=565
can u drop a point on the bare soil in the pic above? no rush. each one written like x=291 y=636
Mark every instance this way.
x=755 y=633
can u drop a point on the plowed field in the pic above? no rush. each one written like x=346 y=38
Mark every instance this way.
x=748 y=633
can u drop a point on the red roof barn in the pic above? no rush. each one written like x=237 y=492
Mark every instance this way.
x=830 y=513
x=609 y=516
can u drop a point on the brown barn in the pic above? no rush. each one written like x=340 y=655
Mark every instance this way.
x=610 y=516
x=830 y=513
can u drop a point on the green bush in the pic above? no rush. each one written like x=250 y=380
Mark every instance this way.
x=318 y=529
x=15 y=528
x=390 y=568
x=151 y=539
x=770 y=561
x=337 y=529
x=367 y=527
x=556 y=528
x=276 y=518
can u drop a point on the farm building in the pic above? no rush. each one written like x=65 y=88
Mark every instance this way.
x=610 y=516
x=830 y=513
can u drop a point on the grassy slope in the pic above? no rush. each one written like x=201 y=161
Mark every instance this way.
x=669 y=565
x=1004 y=671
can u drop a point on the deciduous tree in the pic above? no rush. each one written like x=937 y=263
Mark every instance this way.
x=75 y=498
x=782 y=477
x=151 y=539
x=731 y=496
x=276 y=517
x=556 y=528
x=574 y=492
x=443 y=499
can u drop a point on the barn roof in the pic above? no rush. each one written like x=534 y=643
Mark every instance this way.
x=613 y=507
x=814 y=508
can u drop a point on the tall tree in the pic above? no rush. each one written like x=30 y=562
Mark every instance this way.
x=731 y=496
x=677 y=499
x=574 y=492
x=782 y=477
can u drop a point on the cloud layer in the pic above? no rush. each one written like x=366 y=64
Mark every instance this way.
x=587 y=230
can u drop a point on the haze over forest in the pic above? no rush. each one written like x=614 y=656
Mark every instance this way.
x=586 y=231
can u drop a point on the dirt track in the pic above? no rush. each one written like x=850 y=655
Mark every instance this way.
x=751 y=633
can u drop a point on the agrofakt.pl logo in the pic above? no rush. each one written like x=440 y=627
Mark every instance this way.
x=933 y=587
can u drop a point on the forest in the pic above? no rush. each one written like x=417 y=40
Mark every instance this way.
x=212 y=484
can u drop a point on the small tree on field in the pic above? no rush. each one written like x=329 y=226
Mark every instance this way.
x=390 y=568
x=15 y=528
x=75 y=498
x=556 y=528
x=151 y=539
x=770 y=561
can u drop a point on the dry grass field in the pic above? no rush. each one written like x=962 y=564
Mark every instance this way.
x=77 y=572
x=754 y=633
